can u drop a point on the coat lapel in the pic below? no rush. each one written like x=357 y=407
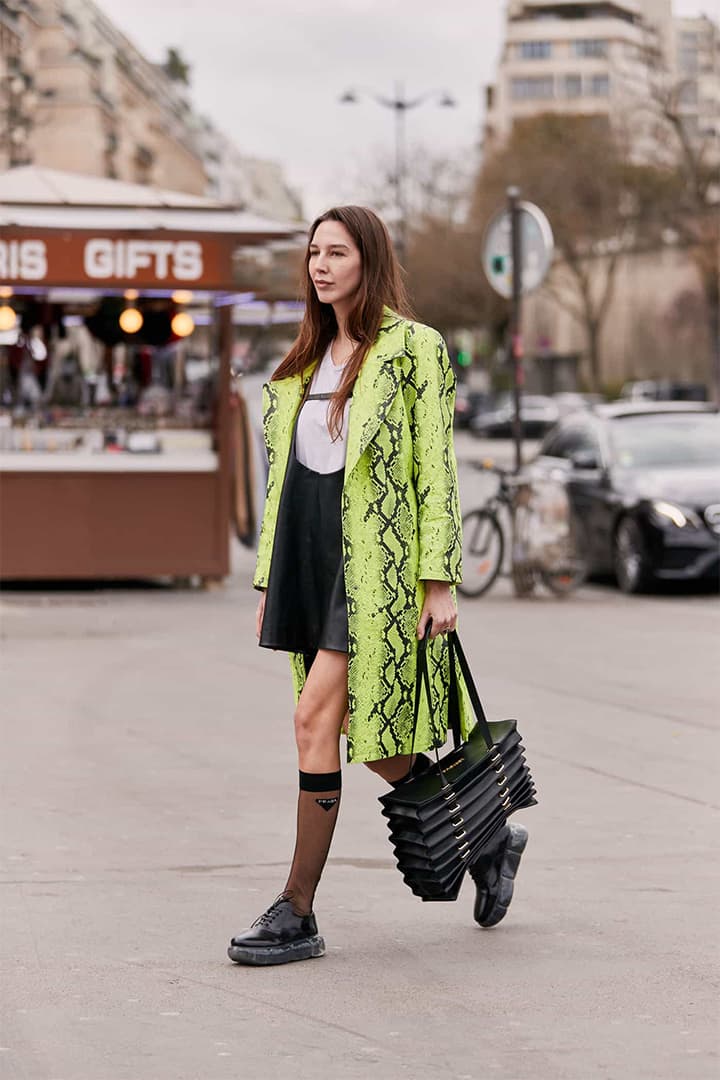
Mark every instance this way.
x=281 y=405
x=375 y=388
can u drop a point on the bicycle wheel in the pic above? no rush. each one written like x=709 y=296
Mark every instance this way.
x=483 y=550
x=571 y=570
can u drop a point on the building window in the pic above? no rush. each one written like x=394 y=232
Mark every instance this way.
x=688 y=61
x=599 y=85
x=573 y=86
x=143 y=164
x=537 y=89
x=534 y=50
x=590 y=47
x=688 y=93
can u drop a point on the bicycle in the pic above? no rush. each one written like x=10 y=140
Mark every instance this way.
x=544 y=534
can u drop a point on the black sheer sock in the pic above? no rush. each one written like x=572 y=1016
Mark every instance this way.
x=318 y=805
x=419 y=765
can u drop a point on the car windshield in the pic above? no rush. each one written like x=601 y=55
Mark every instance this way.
x=658 y=441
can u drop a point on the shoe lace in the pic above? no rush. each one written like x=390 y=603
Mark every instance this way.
x=268 y=916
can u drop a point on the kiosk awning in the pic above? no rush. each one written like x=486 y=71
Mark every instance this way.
x=67 y=229
x=39 y=198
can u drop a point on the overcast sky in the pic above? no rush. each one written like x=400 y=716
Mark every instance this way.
x=270 y=73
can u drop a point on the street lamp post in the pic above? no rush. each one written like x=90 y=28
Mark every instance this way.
x=400 y=104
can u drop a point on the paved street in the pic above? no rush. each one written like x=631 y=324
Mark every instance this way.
x=148 y=781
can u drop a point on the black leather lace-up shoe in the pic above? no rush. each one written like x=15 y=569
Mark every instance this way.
x=279 y=936
x=494 y=876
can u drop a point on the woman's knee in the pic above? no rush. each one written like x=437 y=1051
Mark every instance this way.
x=303 y=726
x=312 y=727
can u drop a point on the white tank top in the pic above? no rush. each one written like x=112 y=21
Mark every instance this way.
x=314 y=446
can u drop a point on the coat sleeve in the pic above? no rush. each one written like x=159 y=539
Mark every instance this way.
x=431 y=412
x=272 y=495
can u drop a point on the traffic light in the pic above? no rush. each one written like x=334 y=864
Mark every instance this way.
x=464 y=358
x=498 y=264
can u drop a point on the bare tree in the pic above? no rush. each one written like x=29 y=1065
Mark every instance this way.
x=596 y=200
x=443 y=251
x=689 y=162
x=446 y=279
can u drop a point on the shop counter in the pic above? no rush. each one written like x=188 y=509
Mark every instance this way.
x=38 y=461
x=77 y=515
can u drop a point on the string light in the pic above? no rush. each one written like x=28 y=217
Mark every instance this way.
x=7 y=317
x=131 y=320
x=182 y=324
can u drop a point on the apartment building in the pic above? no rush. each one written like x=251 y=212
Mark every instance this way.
x=247 y=182
x=17 y=100
x=606 y=59
x=696 y=52
x=92 y=103
x=77 y=95
x=579 y=58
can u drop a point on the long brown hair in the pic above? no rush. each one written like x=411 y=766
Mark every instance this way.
x=381 y=284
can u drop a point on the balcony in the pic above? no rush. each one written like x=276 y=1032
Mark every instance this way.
x=575 y=10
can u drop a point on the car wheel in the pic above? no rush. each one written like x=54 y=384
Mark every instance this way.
x=629 y=557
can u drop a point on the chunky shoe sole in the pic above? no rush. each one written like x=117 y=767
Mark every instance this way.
x=514 y=847
x=305 y=949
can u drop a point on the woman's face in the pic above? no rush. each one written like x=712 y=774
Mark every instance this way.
x=335 y=264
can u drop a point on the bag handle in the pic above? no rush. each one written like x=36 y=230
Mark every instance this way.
x=422 y=678
x=456 y=653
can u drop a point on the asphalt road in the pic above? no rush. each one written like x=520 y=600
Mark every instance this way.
x=148 y=789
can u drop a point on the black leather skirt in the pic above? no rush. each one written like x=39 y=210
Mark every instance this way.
x=305 y=606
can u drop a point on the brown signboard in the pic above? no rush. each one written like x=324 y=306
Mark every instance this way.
x=107 y=259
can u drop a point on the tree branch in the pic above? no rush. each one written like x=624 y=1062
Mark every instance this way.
x=610 y=277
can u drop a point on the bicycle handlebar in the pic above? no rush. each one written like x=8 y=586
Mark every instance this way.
x=507 y=477
x=486 y=465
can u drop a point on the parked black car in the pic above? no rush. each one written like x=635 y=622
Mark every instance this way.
x=569 y=401
x=644 y=483
x=537 y=415
x=663 y=390
x=467 y=404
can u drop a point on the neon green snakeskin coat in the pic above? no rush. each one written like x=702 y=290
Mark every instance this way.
x=401 y=526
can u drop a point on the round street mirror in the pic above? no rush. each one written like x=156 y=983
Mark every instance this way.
x=537 y=249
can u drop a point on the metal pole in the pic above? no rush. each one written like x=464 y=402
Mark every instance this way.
x=400 y=106
x=513 y=195
x=715 y=345
x=221 y=555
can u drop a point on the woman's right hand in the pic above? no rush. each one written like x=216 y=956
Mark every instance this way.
x=260 y=615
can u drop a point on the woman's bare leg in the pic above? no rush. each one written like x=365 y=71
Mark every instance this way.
x=320 y=711
x=318 y=721
x=392 y=769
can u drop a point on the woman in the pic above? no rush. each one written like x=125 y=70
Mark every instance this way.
x=359 y=550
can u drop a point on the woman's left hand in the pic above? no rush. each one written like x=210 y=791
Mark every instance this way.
x=440 y=607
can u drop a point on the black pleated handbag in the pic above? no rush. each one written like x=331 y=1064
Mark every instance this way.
x=443 y=819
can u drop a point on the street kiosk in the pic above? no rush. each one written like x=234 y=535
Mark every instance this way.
x=116 y=337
